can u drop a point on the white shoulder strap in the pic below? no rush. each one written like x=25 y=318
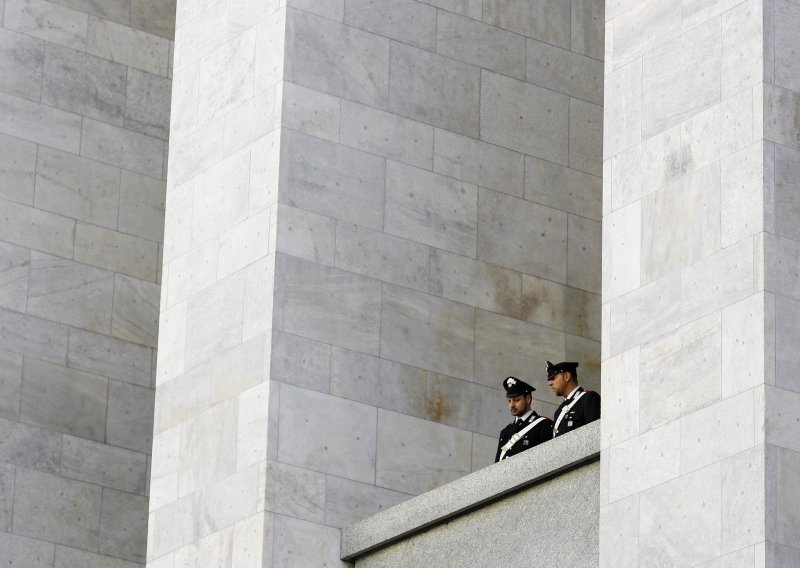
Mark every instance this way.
x=567 y=409
x=518 y=436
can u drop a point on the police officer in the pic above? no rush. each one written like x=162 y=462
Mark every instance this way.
x=528 y=428
x=579 y=407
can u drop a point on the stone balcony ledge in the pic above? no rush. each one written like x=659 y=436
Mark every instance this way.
x=473 y=491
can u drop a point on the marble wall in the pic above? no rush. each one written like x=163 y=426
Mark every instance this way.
x=699 y=273
x=84 y=112
x=375 y=212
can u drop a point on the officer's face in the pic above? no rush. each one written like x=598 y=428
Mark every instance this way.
x=519 y=405
x=559 y=383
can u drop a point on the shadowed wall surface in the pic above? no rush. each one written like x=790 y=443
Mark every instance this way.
x=84 y=111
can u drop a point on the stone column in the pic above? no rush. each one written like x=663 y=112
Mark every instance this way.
x=700 y=284
x=376 y=211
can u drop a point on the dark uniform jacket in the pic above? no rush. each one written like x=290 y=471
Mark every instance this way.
x=586 y=410
x=542 y=432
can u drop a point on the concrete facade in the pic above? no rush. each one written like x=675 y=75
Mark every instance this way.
x=375 y=212
x=699 y=365
x=84 y=113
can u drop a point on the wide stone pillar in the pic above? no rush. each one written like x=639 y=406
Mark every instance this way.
x=375 y=212
x=701 y=250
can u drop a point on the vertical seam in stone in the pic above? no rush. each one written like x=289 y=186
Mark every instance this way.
x=436 y=31
x=108 y=403
x=641 y=101
x=569 y=131
x=277 y=422
x=14 y=493
x=119 y=200
x=569 y=40
x=377 y=436
x=480 y=100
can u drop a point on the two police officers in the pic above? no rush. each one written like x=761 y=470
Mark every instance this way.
x=528 y=429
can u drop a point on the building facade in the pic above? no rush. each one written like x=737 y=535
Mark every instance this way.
x=343 y=222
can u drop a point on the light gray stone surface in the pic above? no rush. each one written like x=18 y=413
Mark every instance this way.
x=362 y=76
x=410 y=458
x=333 y=180
x=406 y=21
x=62 y=399
x=694 y=108
x=434 y=89
x=306 y=544
x=350 y=501
x=386 y=134
x=21 y=61
x=378 y=382
x=480 y=284
x=146 y=103
x=436 y=323
x=27 y=551
x=39 y=123
x=10 y=382
x=379 y=255
x=135 y=316
x=477 y=162
x=327 y=166
x=431 y=209
x=130 y=411
x=14 y=271
x=510 y=229
x=697 y=498
x=129 y=46
x=70 y=292
x=30 y=447
x=122 y=525
x=48 y=21
x=18 y=169
x=332 y=305
x=459 y=542
x=546 y=64
x=479 y=501
x=524 y=117
x=483 y=45
x=547 y=21
x=118 y=468
x=77 y=188
x=56 y=509
x=83 y=84
x=344 y=438
x=78 y=274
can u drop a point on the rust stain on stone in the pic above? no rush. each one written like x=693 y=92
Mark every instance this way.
x=579 y=309
x=505 y=294
x=436 y=407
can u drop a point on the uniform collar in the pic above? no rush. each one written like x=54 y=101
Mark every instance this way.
x=573 y=393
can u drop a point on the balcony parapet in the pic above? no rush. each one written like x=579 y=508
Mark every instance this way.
x=530 y=472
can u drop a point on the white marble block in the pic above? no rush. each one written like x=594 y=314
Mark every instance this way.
x=699 y=283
